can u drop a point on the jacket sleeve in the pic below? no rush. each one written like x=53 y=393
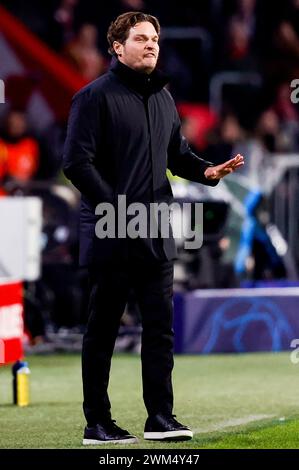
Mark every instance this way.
x=80 y=149
x=182 y=161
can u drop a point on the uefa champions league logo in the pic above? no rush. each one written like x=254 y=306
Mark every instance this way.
x=2 y=92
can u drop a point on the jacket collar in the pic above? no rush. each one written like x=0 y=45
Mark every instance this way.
x=142 y=83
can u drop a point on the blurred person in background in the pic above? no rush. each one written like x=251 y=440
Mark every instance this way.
x=238 y=54
x=257 y=257
x=19 y=150
x=83 y=53
x=277 y=127
x=268 y=131
x=234 y=36
x=288 y=36
x=223 y=140
x=121 y=130
x=277 y=41
x=62 y=24
x=288 y=114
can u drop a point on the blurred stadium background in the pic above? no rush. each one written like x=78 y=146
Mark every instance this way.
x=231 y=63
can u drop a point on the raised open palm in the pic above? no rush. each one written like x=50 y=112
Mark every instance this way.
x=219 y=171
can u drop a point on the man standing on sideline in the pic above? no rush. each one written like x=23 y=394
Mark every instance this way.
x=123 y=133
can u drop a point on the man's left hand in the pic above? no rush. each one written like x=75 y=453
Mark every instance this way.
x=219 y=171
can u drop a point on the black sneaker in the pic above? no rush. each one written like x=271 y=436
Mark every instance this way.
x=166 y=428
x=107 y=433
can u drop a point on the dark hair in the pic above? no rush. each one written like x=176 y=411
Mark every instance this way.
x=119 y=29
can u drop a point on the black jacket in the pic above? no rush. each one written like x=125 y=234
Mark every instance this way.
x=123 y=133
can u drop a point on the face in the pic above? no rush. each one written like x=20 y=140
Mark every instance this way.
x=16 y=124
x=88 y=35
x=141 y=49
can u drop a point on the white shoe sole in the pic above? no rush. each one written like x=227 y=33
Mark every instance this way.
x=94 y=442
x=169 y=435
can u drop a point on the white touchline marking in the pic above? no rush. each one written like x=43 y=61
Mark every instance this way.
x=231 y=423
x=246 y=292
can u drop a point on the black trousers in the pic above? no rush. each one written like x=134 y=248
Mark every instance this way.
x=152 y=280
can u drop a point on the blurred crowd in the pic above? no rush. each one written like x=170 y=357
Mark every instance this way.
x=247 y=47
x=231 y=63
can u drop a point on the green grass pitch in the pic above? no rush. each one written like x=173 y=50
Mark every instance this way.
x=229 y=401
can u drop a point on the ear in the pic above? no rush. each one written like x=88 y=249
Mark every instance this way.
x=118 y=48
